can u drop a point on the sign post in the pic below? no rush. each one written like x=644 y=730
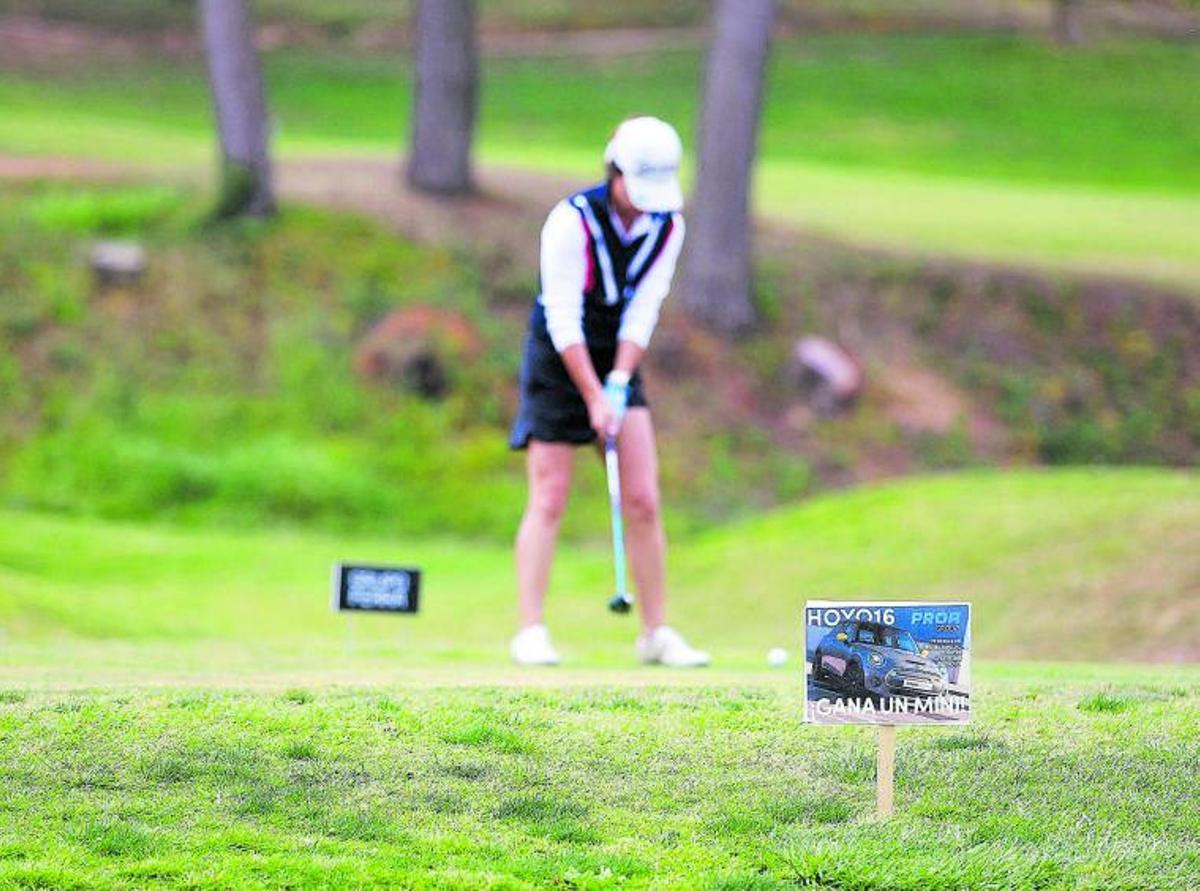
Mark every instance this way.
x=887 y=664
x=885 y=771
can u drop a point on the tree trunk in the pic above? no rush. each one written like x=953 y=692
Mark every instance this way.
x=236 y=79
x=717 y=277
x=447 y=78
x=1068 y=22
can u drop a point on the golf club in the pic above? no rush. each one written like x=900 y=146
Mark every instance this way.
x=622 y=601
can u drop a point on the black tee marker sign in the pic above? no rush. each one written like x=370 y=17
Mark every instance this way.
x=381 y=589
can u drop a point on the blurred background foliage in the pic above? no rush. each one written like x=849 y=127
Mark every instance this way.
x=1001 y=229
x=220 y=388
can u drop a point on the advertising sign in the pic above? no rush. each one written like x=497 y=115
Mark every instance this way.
x=386 y=589
x=877 y=662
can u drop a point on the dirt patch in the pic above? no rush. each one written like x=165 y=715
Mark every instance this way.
x=504 y=217
x=31 y=39
x=61 y=168
x=34 y=43
x=921 y=400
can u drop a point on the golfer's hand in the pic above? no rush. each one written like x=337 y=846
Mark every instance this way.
x=616 y=391
x=600 y=412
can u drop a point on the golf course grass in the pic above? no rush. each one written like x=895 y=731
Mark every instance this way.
x=180 y=707
x=987 y=146
x=182 y=465
x=1067 y=779
x=1111 y=554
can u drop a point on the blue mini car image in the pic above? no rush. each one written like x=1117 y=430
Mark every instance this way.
x=873 y=659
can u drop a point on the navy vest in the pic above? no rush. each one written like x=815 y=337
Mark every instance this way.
x=614 y=269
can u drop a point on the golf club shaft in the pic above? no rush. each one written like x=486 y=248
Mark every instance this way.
x=612 y=466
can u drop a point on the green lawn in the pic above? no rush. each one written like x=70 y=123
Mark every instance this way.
x=994 y=147
x=1067 y=779
x=1112 y=554
x=181 y=708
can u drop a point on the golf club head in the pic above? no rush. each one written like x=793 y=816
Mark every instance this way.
x=621 y=603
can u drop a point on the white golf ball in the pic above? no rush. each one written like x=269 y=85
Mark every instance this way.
x=777 y=656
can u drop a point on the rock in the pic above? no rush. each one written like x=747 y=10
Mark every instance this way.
x=831 y=378
x=117 y=263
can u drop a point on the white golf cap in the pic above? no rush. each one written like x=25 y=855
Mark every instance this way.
x=648 y=151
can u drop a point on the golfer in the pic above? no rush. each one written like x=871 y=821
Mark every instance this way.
x=608 y=254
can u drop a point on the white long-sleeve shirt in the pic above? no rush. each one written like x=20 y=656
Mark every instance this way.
x=564 y=263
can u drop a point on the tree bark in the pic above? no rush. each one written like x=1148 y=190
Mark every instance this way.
x=717 y=277
x=1068 y=22
x=235 y=76
x=447 y=81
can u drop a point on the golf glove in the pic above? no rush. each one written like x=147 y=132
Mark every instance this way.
x=616 y=391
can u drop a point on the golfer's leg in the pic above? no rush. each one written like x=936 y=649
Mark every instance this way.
x=548 y=466
x=644 y=538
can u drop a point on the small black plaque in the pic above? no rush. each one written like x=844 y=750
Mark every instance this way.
x=384 y=589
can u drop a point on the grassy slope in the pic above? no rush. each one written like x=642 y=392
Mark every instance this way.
x=222 y=387
x=1064 y=565
x=220 y=390
x=996 y=147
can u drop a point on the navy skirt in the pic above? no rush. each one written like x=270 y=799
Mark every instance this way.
x=551 y=407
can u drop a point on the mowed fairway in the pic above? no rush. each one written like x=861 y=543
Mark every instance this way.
x=993 y=147
x=180 y=707
x=1114 y=554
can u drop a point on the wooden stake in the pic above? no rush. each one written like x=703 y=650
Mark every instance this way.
x=885 y=771
x=351 y=637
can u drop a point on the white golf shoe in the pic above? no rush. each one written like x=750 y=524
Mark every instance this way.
x=532 y=646
x=666 y=646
